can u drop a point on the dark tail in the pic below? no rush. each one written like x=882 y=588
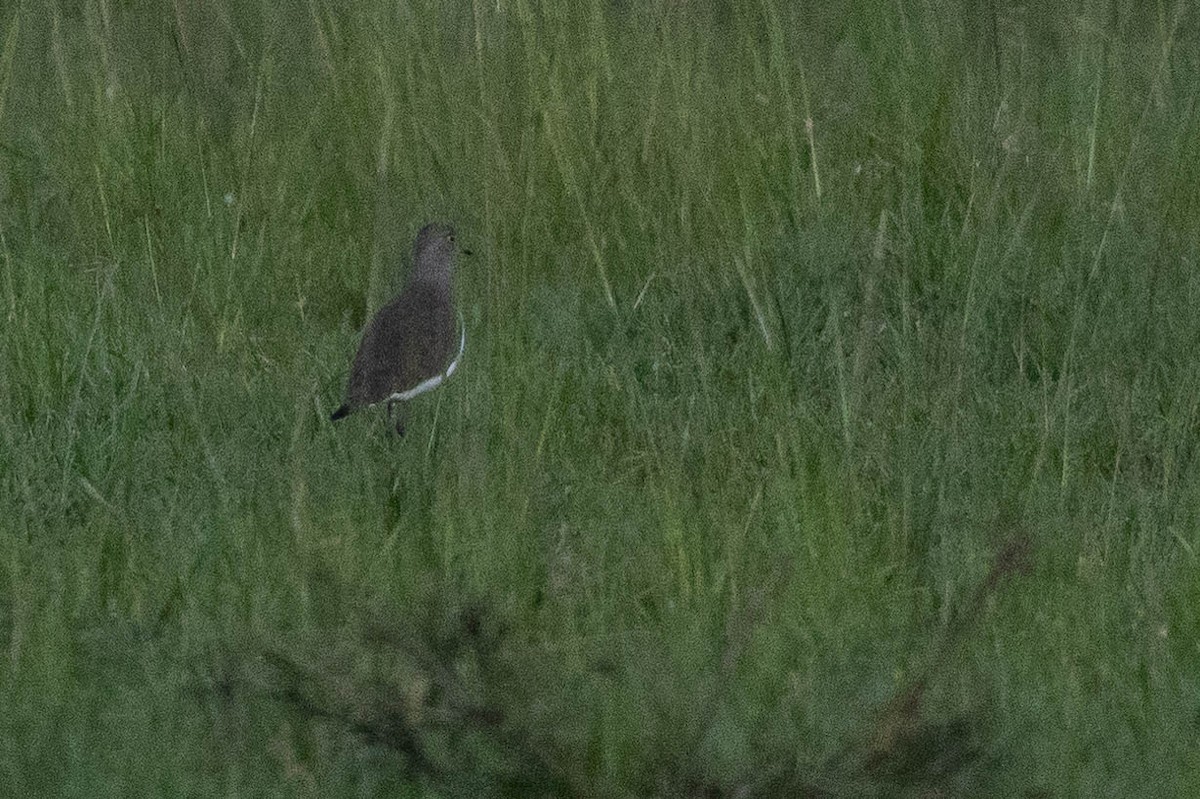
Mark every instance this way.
x=340 y=413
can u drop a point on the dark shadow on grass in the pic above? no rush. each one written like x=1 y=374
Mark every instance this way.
x=469 y=711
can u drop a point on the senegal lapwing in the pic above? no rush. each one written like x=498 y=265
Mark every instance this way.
x=411 y=344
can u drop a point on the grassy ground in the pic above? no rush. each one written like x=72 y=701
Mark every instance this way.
x=827 y=425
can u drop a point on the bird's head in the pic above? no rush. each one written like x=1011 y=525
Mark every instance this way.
x=434 y=252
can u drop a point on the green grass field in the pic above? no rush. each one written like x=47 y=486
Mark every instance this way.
x=827 y=427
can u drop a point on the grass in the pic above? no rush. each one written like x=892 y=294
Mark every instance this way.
x=827 y=425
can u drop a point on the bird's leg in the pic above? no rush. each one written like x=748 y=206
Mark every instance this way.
x=399 y=417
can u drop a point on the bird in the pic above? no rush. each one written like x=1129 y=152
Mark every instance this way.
x=408 y=346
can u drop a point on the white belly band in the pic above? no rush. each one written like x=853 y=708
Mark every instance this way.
x=438 y=379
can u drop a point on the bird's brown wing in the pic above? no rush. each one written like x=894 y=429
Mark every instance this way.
x=409 y=340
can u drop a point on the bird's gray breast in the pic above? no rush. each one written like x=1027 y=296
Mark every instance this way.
x=410 y=340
